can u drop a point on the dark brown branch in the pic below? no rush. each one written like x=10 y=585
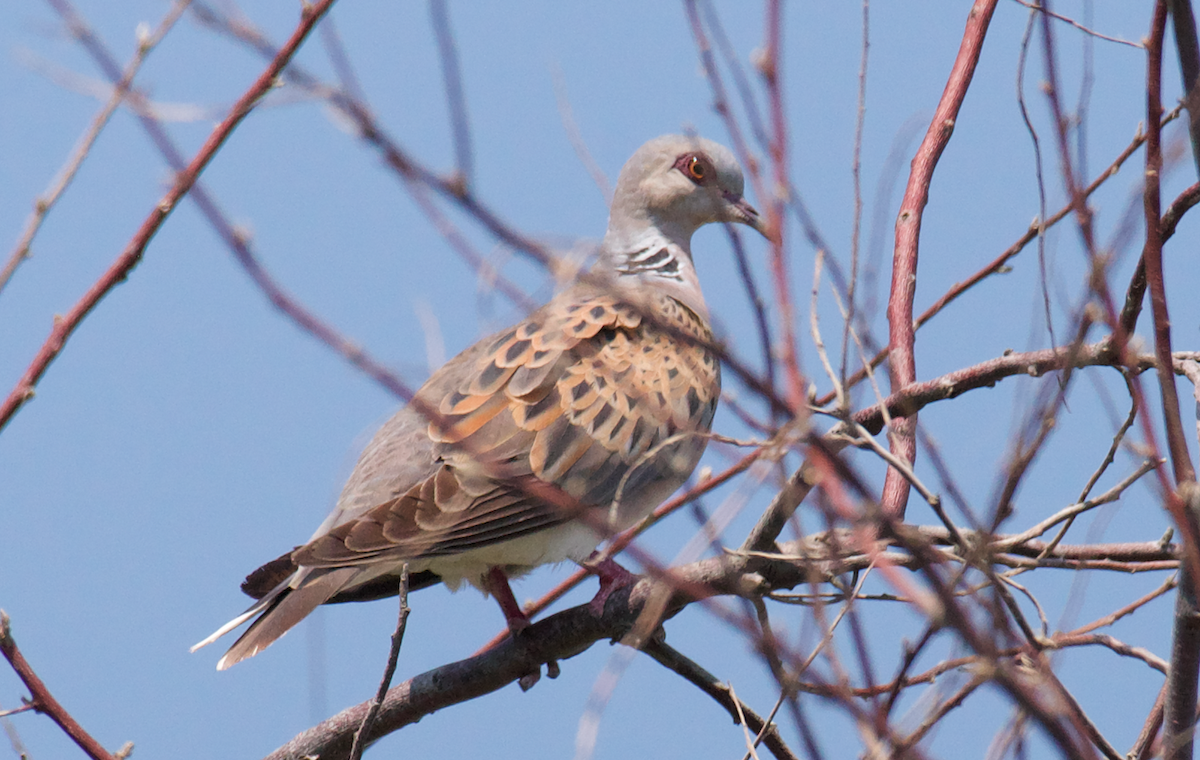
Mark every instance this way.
x=558 y=637
x=364 y=729
x=691 y=672
x=815 y=553
x=1188 y=47
x=986 y=374
x=1180 y=706
x=568 y=633
x=1136 y=291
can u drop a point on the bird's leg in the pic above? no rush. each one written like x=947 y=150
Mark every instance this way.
x=612 y=577
x=497 y=585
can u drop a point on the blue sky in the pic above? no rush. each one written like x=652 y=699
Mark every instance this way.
x=189 y=432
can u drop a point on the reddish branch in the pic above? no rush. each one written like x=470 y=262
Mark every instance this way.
x=235 y=239
x=420 y=179
x=1169 y=221
x=722 y=107
x=902 y=365
x=771 y=72
x=44 y=702
x=65 y=325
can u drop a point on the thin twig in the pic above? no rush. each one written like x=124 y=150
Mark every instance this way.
x=856 y=177
x=1038 y=8
x=770 y=65
x=62 y=181
x=567 y=116
x=941 y=710
x=364 y=729
x=119 y=270
x=693 y=673
x=1188 y=47
x=464 y=164
x=1038 y=174
x=1000 y=263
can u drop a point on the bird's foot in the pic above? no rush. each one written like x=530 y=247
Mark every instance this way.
x=527 y=681
x=612 y=577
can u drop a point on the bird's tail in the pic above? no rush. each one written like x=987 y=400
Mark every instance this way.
x=278 y=611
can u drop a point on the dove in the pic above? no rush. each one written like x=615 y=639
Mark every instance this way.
x=536 y=443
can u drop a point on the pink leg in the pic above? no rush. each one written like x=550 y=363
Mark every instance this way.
x=497 y=584
x=612 y=577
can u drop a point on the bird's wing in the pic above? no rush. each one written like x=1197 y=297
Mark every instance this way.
x=581 y=395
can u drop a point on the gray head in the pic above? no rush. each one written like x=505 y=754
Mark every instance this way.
x=676 y=184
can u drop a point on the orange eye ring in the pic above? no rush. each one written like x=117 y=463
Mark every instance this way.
x=696 y=169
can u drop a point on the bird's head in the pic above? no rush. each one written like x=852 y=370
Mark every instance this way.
x=677 y=184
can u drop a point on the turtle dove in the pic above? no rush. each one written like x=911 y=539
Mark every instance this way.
x=534 y=444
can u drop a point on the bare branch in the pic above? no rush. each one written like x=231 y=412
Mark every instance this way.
x=901 y=336
x=184 y=181
x=61 y=182
x=43 y=701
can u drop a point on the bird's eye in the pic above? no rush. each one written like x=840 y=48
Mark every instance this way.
x=694 y=166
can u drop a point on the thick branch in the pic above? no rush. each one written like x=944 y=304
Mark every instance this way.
x=901 y=334
x=570 y=632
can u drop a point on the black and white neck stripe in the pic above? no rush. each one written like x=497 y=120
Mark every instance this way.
x=659 y=260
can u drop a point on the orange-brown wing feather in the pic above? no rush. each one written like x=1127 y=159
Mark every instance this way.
x=585 y=395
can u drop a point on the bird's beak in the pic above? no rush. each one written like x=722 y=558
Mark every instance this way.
x=742 y=212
